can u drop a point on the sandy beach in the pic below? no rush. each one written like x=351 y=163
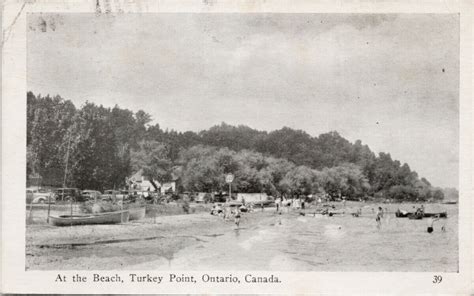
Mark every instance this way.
x=264 y=241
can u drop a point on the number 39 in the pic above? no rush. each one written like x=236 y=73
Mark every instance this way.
x=437 y=279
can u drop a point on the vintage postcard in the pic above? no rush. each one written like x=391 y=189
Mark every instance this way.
x=237 y=147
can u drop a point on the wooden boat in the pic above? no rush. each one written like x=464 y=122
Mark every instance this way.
x=89 y=219
x=450 y=202
x=440 y=215
x=415 y=216
x=402 y=214
x=332 y=213
x=137 y=213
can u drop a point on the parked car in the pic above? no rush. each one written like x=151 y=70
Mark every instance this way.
x=89 y=195
x=68 y=194
x=132 y=195
x=38 y=195
x=112 y=195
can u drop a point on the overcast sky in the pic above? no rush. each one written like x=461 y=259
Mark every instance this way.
x=388 y=80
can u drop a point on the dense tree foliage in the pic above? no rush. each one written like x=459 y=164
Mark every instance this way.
x=103 y=146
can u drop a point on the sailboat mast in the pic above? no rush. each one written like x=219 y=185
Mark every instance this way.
x=65 y=171
x=67 y=160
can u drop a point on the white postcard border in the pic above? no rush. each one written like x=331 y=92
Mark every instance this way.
x=16 y=279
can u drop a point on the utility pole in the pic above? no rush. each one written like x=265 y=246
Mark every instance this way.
x=228 y=179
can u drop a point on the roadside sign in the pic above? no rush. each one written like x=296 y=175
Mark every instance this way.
x=229 y=178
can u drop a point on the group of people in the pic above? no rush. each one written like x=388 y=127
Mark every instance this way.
x=235 y=213
x=294 y=203
x=280 y=203
x=419 y=211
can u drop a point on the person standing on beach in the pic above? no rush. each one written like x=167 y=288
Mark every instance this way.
x=379 y=217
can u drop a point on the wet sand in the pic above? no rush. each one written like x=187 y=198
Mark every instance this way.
x=265 y=241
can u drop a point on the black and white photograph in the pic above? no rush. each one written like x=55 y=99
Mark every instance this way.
x=224 y=141
x=237 y=147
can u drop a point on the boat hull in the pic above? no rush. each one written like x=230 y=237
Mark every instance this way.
x=402 y=214
x=102 y=218
x=440 y=215
x=419 y=216
x=415 y=216
x=137 y=213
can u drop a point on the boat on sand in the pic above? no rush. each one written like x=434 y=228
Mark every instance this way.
x=412 y=215
x=415 y=216
x=402 y=214
x=89 y=219
x=440 y=215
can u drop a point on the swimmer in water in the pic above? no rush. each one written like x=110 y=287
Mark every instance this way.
x=237 y=218
x=430 y=222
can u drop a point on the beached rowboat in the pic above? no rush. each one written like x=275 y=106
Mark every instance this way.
x=403 y=214
x=87 y=219
x=440 y=215
x=415 y=216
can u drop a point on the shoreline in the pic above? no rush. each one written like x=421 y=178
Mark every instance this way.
x=265 y=240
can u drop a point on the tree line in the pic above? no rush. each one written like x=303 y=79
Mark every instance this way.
x=102 y=146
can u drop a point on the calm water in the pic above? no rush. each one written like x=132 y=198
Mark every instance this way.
x=321 y=243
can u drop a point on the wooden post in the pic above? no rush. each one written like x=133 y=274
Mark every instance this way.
x=121 y=208
x=71 y=212
x=49 y=207
x=154 y=209
x=65 y=172
x=67 y=160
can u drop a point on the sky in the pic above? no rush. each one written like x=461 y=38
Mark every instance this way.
x=390 y=80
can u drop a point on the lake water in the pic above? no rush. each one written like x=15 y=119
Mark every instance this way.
x=291 y=242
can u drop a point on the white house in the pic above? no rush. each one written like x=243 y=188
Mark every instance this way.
x=166 y=187
x=140 y=183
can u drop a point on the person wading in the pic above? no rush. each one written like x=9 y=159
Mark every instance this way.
x=237 y=218
x=430 y=222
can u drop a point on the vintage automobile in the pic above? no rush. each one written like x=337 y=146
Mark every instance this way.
x=39 y=196
x=114 y=195
x=90 y=195
x=67 y=194
x=132 y=195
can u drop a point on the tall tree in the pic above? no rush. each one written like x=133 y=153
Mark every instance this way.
x=153 y=158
